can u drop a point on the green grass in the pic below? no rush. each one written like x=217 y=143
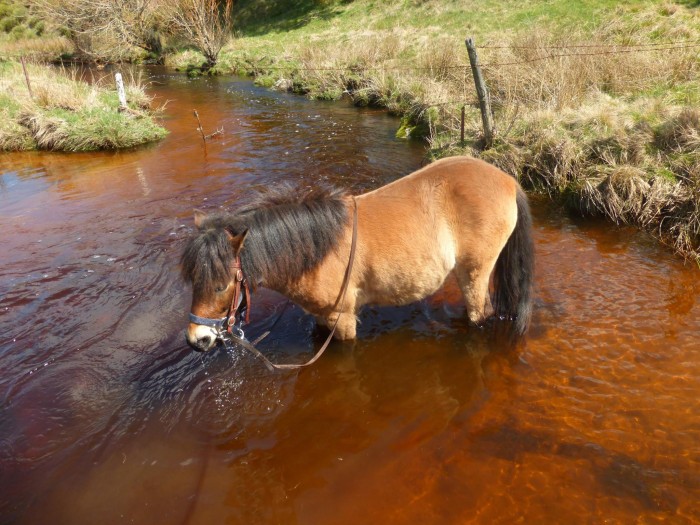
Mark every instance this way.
x=293 y=21
x=97 y=129
x=66 y=114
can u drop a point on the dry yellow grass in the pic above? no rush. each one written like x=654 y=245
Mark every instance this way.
x=48 y=48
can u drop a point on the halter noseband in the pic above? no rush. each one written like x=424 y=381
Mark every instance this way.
x=225 y=324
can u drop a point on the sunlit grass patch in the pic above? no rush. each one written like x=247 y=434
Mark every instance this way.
x=65 y=113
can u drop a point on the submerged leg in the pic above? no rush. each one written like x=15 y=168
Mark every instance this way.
x=474 y=284
x=347 y=325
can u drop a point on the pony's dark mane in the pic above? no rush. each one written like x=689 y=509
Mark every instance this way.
x=290 y=230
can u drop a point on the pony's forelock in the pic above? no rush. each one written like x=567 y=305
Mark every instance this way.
x=206 y=260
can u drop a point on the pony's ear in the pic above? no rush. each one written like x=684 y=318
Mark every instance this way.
x=237 y=241
x=199 y=217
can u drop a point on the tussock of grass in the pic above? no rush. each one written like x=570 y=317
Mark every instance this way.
x=621 y=194
x=68 y=114
x=13 y=136
x=633 y=170
x=680 y=134
x=181 y=61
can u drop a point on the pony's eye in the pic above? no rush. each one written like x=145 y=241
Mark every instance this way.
x=221 y=288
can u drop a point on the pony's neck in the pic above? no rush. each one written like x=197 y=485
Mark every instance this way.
x=288 y=240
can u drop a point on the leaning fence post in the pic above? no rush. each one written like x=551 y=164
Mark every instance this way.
x=483 y=94
x=26 y=77
x=120 y=90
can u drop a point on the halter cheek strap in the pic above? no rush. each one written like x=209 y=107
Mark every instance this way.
x=241 y=287
x=240 y=290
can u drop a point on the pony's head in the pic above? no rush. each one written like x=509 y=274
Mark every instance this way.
x=285 y=232
x=211 y=263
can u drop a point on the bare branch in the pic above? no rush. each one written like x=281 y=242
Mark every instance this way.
x=129 y=23
x=204 y=23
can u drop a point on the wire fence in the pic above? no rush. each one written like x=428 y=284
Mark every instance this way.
x=542 y=52
x=604 y=49
x=577 y=46
x=611 y=51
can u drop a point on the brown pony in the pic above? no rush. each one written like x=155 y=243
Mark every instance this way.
x=458 y=215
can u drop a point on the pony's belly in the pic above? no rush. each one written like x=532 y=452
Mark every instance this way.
x=395 y=290
x=398 y=280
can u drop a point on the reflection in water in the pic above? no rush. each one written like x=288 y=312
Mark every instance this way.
x=107 y=416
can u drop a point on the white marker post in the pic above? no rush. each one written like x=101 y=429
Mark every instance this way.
x=120 y=90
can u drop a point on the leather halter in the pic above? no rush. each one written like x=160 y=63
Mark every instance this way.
x=240 y=287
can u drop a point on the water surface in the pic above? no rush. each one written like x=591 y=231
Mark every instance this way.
x=106 y=416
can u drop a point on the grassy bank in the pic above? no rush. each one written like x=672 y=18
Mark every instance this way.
x=23 y=33
x=64 y=113
x=612 y=127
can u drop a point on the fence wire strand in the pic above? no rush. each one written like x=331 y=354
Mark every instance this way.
x=599 y=53
x=605 y=49
x=599 y=46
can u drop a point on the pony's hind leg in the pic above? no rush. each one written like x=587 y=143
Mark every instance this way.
x=474 y=284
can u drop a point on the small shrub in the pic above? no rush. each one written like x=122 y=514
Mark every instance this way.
x=7 y=24
x=204 y=23
x=19 y=32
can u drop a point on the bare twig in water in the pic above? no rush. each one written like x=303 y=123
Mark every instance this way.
x=218 y=132
x=200 y=128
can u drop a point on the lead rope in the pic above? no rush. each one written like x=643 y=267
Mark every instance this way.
x=341 y=299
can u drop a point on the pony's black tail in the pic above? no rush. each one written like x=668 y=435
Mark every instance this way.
x=514 y=273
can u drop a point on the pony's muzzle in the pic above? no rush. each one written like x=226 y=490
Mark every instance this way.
x=201 y=338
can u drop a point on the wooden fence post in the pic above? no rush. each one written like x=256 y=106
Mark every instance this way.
x=483 y=94
x=26 y=77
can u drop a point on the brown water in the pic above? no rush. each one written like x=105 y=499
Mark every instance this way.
x=107 y=417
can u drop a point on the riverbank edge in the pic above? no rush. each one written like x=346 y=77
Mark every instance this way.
x=544 y=159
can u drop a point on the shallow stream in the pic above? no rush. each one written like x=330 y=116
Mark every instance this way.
x=106 y=416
